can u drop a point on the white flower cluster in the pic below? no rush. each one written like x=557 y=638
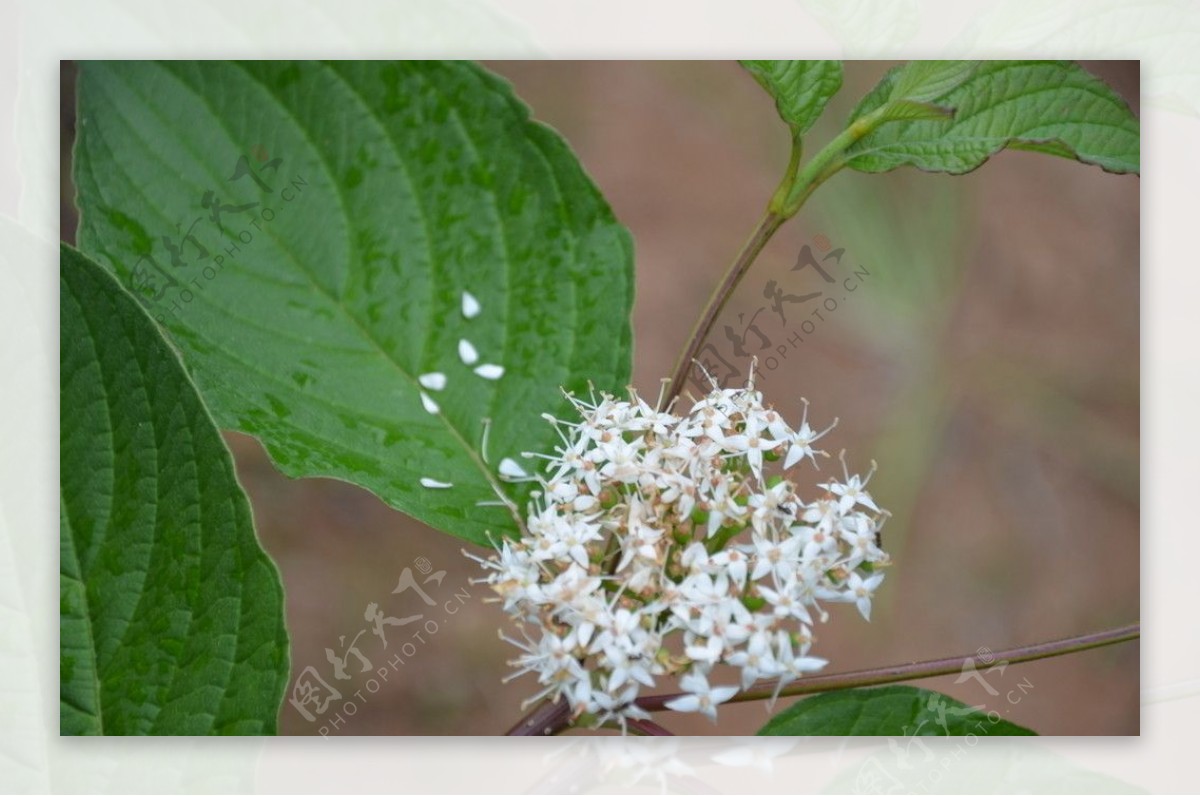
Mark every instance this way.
x=651 y=525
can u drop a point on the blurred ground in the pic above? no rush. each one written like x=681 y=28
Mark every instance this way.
x=988 y=359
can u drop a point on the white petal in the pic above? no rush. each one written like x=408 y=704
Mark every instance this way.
x=467 y=352
x=430 y=483
x=864 y=607
x=795 y=454
x=723 y=693
x=511 y=469
x=809 y=664
x=470 y=305
x=642 y=676
x=433 y=381
x=684 y=704
x=492 y=372
x=430 y=406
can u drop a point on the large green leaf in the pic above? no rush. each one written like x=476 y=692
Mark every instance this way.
x=391 y=188
x=171 y=614
x=1047 y=106
x=891 y=710
x=922 y=81
x=801 y=89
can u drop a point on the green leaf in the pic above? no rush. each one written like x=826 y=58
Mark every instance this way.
x=801 y=89
x=891 y=710
x=921 y=81
x=398 y=186
x=905 y=109
x=171 y=616
x=1045 y=106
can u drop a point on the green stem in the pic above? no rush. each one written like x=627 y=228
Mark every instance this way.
x=824 y=164
x=721 y=538
x=716 y=301
x=789 y=176
x=798 y=184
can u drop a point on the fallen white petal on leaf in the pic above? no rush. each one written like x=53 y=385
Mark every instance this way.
x=430 y=406
x=489 y=371
x=470 y=305
x=511 y=469
x=467 y=352
x=430 y=483
x=433 y=381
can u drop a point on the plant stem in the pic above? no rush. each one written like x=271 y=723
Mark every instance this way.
x=551 y=718
x=798 y=184
x=716 y=301
x=548 y=718
x=921 y=669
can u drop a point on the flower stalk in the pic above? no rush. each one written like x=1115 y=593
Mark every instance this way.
x=922 y=669
x=553 y=718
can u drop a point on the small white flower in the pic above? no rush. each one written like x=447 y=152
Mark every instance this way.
x=786 y=602
x=861 y=590
x=574 y=583
x=700 y=697
x=733 y=561
x=800 y=442
x=789 y=666
x=853 y=492
x=779 y=559
x=771 y=504
x=708 y=653
x=753 y=447
x=755 y=660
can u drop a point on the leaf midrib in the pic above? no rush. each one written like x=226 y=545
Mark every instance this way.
x=289 y=253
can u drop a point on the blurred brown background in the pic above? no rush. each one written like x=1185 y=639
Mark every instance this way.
x=987 y=359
